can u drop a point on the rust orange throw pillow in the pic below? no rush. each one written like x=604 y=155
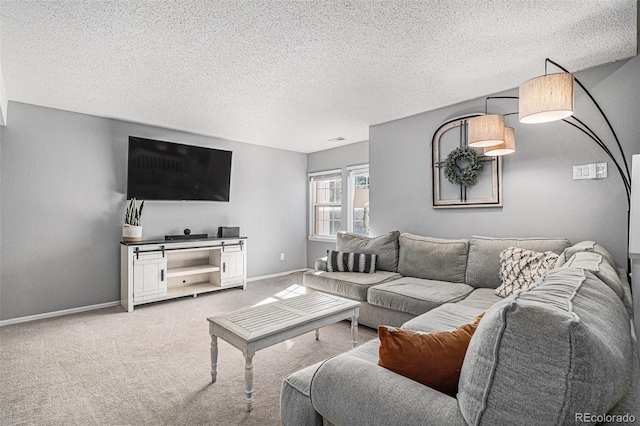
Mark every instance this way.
x=433 y=359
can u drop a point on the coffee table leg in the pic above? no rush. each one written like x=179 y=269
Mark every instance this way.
x=317 y=334
x=214 y=358
x=248 y=381
x=354 y=331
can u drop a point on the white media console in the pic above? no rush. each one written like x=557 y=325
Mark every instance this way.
x=159 y=270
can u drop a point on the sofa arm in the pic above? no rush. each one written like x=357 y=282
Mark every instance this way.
x=321 y=264
x=350 y=391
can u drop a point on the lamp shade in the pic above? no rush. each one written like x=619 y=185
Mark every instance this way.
x=360 y=198
x=546 y=98
x=486 y=130
x=507 y=147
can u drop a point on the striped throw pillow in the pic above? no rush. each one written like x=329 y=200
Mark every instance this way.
x=341 y=261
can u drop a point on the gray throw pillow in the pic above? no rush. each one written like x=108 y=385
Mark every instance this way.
x=385 y=247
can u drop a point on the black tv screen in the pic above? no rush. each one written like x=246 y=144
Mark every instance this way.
x=171 y=171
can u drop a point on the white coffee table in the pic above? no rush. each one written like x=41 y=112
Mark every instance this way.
x=258 y=327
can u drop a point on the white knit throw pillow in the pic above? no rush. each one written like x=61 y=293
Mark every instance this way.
x=521 y=268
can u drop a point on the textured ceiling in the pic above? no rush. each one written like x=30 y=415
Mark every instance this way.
x=291 y=74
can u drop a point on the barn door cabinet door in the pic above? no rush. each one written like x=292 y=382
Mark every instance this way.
x=149 y=277
x=233 y=267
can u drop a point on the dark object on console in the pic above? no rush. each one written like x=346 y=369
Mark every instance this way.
x=186 y=236
x=228 y=232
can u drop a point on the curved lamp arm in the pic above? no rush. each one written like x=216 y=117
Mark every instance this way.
x=624 y=173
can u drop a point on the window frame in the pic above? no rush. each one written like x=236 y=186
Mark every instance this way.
x=312 y=178
x=352 y=173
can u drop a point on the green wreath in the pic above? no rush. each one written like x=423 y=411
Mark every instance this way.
x=467 y=176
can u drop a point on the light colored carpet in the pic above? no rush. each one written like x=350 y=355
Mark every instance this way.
x=151 y=366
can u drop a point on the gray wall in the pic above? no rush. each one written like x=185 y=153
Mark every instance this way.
x=336 y=158
x=540 y=197
x=63 y=180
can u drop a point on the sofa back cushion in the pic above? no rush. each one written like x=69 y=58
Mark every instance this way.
x=600 y=267
x=585 y=246
x=483 y=265
x=541 y=356
x=432 y=258
x=385 y=247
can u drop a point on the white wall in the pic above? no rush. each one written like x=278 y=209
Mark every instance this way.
x=540 y=197
x=63 y=182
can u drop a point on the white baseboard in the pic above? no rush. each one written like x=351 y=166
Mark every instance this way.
x=58 y=313
x=110 y=304
x=279 y=274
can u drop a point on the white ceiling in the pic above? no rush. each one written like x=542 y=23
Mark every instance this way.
x=293 y=74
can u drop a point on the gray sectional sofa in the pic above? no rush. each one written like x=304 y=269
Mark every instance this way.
x=562 y=352
x=416 y=274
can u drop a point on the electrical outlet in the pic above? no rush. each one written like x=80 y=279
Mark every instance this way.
x=281 y=256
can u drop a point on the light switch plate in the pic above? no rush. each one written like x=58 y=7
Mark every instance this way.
x=581 y=172
x=590 y=171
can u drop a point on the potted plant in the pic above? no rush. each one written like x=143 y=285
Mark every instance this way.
x=132 y=230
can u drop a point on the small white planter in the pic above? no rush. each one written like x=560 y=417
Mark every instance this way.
x=131 y=233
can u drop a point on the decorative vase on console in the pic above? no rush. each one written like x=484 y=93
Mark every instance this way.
x=132 y=230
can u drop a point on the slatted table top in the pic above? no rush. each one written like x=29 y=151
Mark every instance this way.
x=260 y=321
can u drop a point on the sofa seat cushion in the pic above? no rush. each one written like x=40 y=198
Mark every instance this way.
x=384 y=246
x=416 y=296
x=444 y=318
x=541 y=356
x=432 y=258
x=347 y=390
x=482 y=298
x=352 y=285
x=483 y=264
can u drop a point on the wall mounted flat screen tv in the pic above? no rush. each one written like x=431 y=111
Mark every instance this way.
x=160 y=170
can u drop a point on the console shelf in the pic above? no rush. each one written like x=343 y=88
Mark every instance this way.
x=152 y=271
x=190 y=270
x=192 y=290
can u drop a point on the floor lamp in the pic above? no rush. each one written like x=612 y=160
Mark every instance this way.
x=550 y=97
x=547 y=98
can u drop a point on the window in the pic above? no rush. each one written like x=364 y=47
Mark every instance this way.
x=358 y=199
x=325 y=189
